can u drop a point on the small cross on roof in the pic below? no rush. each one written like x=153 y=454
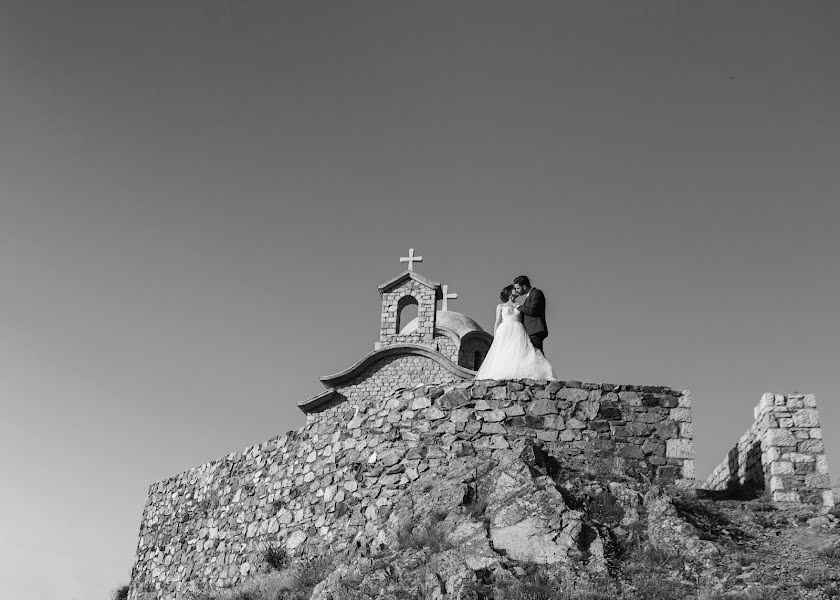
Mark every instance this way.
x=411 y=259
x=447 y=296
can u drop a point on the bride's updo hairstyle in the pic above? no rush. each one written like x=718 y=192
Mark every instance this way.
x=506 y=292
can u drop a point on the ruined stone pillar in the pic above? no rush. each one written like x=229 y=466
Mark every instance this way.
x=781 y=452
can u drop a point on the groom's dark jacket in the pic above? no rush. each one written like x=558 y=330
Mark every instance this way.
x=533 y=313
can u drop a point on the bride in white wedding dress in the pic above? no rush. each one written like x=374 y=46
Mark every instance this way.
x=511 y=355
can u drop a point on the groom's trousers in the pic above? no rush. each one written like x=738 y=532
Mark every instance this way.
x=537 y=341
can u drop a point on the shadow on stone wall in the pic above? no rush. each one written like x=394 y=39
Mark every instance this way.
x=750 y=468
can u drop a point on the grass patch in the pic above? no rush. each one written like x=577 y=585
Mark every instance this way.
x=538 y=583
x=266 y=587
x=651 y=587
x=757 y=593
x=710 y=523
x=292 y=583
x=545 y=582
x=649 y=561
x=604 y=507
x=309 y=573
x=830 y=552
x=813 y=579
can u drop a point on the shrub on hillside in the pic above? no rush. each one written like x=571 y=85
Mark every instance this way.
x=813 y=578
x=276 y=558
x=604 y=507
x=309 y=573
x=121 y=593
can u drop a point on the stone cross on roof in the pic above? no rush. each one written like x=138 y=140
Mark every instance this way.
x=447 y=296
x=411 y=259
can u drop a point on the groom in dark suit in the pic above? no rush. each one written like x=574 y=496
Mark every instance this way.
x=533 y=311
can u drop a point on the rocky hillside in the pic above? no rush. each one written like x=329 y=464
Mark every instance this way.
x=338 y=483
x=528 y=525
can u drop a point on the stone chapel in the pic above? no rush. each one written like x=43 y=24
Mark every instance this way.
x=435 y=346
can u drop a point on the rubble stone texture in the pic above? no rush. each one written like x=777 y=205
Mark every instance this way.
x=388 y=374
x=394 y=300
x=334 y=483
x=782 y=450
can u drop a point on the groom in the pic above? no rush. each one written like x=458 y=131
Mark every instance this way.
x=533 y=311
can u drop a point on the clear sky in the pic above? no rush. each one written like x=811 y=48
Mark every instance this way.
x=198 y=200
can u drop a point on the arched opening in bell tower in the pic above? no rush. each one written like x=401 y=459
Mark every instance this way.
x=407 y=311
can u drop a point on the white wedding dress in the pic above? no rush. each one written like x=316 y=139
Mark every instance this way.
x=511 y=355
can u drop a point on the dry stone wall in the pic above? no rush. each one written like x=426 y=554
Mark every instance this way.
x=333 y=482
x=782 y=450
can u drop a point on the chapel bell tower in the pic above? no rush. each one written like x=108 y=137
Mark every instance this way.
x=407 y=289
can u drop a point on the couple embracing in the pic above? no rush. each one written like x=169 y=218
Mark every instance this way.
x=517 y=349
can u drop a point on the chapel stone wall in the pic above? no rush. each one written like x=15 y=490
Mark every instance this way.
x=447 y=347
x=386 y=375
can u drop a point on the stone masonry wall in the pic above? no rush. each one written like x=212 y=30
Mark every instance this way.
x=447 y=347
x=333 y=482
x=743 y=466
x=388 y=374
x=426 y=312
x=782 y=449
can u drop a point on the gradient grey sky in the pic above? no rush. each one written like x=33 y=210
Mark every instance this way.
x=198 y=200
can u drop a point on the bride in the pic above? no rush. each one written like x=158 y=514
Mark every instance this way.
x=512 y=356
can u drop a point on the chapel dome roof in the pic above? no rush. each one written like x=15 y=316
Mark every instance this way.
x=455 y=322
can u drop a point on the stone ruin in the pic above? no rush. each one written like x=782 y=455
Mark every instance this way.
x=781 y=451
x=411 y=409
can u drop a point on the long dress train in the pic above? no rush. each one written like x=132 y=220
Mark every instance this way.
x=511 y=355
